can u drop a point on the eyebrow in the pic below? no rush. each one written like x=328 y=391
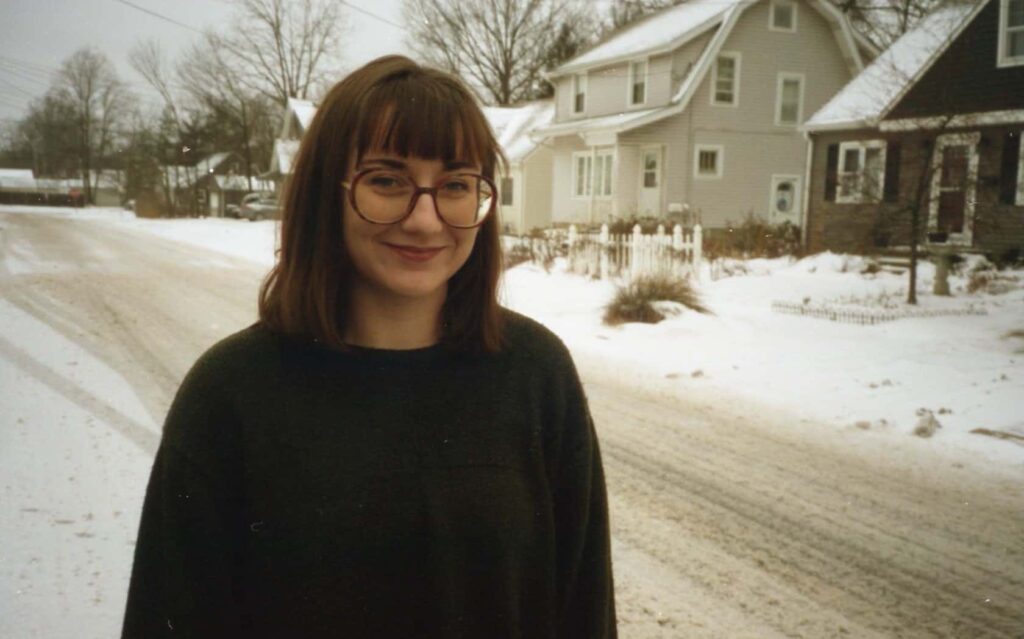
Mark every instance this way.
x=398 y=164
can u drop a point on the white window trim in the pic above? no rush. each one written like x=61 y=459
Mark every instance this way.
x=771 y=16
x=577 y=79
x=719 y=164
x=1019 y=200
x=588 y=184
x=735 y=55
x=862 y=146
x=781 y=78
x=1003 y=60
x=647 y=84
x=797 y=195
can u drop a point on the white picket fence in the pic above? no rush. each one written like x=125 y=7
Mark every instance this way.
x=634 y=255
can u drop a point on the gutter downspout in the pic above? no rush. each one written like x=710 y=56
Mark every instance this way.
x=805 y=197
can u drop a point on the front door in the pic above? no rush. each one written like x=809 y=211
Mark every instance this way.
x=650 y=181
x=953 y=188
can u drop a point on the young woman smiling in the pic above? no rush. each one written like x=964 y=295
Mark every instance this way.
x=386 y=452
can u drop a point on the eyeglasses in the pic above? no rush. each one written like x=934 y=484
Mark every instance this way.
x=384 y=196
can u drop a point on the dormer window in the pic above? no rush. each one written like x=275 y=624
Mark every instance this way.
x=783 y=16
x=637 y=82
x=1011 y=33
x=579 y=93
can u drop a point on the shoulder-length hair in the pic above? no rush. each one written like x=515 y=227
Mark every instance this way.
x=396 y=105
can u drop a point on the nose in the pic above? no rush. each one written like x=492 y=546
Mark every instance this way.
x=424 y=217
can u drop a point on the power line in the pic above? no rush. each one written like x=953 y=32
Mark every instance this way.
x=159 y=15
x=371 y=14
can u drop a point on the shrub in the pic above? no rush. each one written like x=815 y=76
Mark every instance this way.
x=634 y=301
x=752 y=238
x=517 y=255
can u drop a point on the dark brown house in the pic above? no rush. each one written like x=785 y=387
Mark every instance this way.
x=930 y=131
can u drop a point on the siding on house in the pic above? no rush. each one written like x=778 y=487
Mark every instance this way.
x=754 y=147
x=965 y=78
x=870 y=227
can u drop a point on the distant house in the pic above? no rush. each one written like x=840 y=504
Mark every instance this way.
x=696 y=107
x=525 y=190
x=943 y=110
x=21 y=186
x=210 y=185
x=298 y=114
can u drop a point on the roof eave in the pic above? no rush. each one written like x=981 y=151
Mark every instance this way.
x=569 y=68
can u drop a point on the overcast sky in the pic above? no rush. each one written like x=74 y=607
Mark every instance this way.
x=36 y=35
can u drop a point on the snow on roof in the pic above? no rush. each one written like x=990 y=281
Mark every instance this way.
x=17 y=179
x=17 y=173
x=240 y=183
x=615 y=121
x=304 y=111
x=284 y=155
x=870 y=95
x=512 y=127
x=664 y=30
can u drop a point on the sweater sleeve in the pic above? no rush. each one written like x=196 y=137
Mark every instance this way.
x=185 y=570
x=584 y=569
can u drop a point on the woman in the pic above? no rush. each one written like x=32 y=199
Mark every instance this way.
x=387 y=452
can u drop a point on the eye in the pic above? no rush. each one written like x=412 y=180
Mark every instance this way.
x=387 y=182
x=455 y=186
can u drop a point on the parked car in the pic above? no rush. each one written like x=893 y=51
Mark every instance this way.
x=259 y=206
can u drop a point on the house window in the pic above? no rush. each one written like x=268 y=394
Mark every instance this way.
x=603 y=174
x=789 y=97
x=861 y=174
x=638 y=82
x=506 y=191
x=1011 y=33
x=708 y=160
x=592 y=174
x=650 y=169
x=581 y=166
x=725 y=90
x=579 y=92
x=783 y=16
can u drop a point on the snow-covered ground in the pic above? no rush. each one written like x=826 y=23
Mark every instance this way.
x=964 y=369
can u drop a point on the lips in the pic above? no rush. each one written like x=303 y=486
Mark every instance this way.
x=415 y=253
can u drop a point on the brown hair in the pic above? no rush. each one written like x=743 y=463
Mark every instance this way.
x=396 y=105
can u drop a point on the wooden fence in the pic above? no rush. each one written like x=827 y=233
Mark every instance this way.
x=852 y=315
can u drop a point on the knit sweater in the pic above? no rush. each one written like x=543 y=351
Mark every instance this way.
x=304 y=492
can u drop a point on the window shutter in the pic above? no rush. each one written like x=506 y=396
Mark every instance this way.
x=892 y=172
x=831 y=172
x=1009 y=167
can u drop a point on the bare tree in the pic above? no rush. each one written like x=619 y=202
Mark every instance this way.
x=214 y=82
x=88 y=84
x=624 y=12
x=884 y=21
x=500 y=47
x=280 y=47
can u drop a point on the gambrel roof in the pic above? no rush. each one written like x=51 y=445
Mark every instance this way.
x=668 y=30
x=876 y=91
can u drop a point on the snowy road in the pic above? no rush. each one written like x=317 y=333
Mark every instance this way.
x=728 y=520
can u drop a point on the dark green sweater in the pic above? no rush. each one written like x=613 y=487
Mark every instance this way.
x=301 y=492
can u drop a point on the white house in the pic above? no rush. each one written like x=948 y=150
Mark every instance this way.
x=525 y=190
x=696 y=108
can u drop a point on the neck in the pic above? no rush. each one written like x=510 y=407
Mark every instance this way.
x=378 y=319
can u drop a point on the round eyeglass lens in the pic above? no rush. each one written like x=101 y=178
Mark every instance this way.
x=462 y=200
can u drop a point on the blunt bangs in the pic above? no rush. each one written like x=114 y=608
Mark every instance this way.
x=428 y=117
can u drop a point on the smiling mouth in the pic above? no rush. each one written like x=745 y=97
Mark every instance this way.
x=415 y=253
